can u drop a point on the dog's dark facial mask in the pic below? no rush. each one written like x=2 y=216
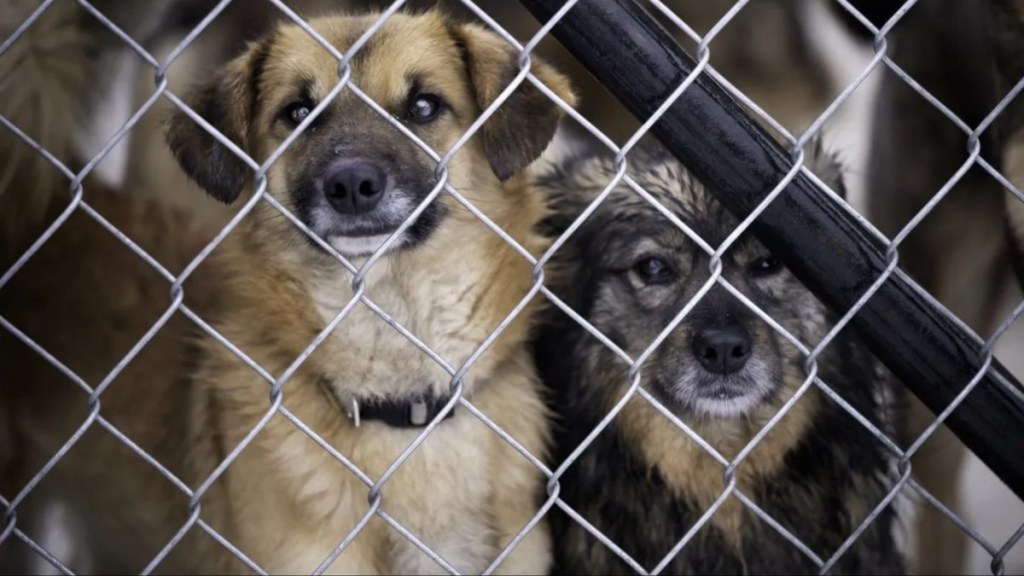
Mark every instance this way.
x=720 y=360
x=352 y=176
x=361 y=177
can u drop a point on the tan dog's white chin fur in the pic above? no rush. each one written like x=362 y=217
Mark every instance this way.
x=364 y=246
x=727 y=407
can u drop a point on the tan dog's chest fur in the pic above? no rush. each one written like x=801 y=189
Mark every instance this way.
x=445 y=493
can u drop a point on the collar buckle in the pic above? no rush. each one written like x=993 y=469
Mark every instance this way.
x=415 y=412
x=418 y=414
x=352 y=411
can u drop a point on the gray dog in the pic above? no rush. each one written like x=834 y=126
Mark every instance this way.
x=723 y=371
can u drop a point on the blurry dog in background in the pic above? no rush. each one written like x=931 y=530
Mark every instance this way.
x=57 y=78
x=968 y=55
x=54 y=81
x=724 y=372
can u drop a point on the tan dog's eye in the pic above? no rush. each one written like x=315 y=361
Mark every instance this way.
x=424 y=108
x=296 y=112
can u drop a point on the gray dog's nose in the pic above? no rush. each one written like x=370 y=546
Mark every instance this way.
x=354 y=187
x=722 y=350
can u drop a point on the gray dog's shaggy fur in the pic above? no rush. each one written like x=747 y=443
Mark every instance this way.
x=642 y=482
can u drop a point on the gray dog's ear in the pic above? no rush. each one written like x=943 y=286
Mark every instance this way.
x=226 y=102
x=521 y=128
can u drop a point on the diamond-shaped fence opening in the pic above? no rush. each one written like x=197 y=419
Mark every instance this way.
x=141 y=291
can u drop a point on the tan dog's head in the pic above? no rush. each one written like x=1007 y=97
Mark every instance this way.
x=352 y=176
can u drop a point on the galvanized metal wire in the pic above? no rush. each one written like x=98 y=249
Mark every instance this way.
x=903 y=485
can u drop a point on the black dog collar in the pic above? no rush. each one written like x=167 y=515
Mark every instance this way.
x=409 y=412
x=405 y=413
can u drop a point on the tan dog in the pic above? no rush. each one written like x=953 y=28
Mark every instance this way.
x=352 y=178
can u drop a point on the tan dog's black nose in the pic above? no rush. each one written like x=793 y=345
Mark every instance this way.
x=355 y=187
x=722 y=350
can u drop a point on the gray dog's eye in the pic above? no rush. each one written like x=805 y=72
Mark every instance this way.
x=654 y=270
x=765 y=266
x=424 y=108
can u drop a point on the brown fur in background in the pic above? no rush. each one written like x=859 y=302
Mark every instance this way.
x=84 y=296
x=52 y=79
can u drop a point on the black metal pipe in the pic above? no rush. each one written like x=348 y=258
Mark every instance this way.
x=827 y=249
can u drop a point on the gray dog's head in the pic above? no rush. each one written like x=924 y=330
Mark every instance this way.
x=630 y=271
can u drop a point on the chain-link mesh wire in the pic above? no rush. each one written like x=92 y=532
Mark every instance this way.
x=811 y=351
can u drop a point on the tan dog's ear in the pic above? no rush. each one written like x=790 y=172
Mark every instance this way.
x=521 y=128
x=227 y=103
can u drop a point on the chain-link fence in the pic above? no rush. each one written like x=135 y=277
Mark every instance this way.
x=680 y=100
